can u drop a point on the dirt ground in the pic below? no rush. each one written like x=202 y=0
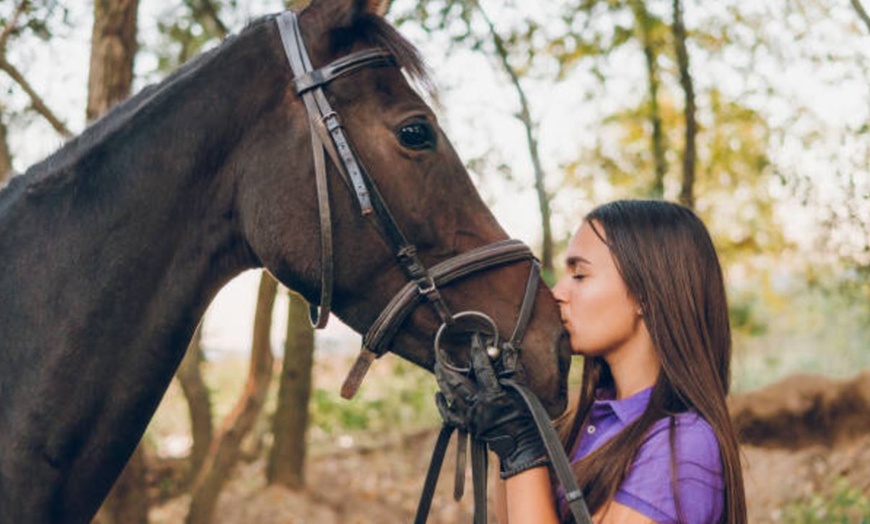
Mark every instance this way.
x=383 y=484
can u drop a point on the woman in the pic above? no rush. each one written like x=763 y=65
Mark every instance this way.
x=650 y=440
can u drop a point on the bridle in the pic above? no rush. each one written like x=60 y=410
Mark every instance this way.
x=327 y=134
x=424 y=284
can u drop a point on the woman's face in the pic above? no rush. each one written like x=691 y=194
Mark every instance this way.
x=599 y=314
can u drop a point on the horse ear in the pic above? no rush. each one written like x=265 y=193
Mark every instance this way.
x=378 y=7
x=345 y=13
x=371 y=7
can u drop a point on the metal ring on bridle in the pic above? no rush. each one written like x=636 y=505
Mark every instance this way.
x=457 y=323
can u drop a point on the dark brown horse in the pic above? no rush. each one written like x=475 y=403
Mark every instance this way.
x=113 y=247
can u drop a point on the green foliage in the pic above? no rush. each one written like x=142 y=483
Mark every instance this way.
x=745 y=310
x=188 y=28
x=396 y=398
x=332 y=414
x=43 y=19
x=844 y=505
x=797 y=326
x=400 y=402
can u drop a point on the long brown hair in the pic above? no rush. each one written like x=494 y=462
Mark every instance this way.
x=666 y=257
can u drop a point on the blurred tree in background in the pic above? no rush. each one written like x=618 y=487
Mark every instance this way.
x=23 y=23
x=779 y=176
x=755 y=114
x=762 y=139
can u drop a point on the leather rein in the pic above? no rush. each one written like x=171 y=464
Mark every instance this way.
x=328 y=135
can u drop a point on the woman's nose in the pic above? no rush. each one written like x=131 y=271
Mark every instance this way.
x=559 y=290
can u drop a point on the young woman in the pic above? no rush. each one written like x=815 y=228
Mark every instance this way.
x=651 y=439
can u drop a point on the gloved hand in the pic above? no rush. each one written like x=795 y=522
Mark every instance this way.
x=491 y=413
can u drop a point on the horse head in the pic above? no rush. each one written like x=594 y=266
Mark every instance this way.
x=408 y=168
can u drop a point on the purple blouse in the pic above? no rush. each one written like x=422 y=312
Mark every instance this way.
x=647 y=488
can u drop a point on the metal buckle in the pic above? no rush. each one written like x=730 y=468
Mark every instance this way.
x=426 y=285
x=331 y=121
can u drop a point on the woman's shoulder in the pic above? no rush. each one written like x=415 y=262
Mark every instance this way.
x=698 y=475
x=694 y=440
x=695 y=450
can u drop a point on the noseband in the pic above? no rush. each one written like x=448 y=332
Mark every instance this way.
x=327 y=134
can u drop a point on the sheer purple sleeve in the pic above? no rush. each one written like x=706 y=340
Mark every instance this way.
x=649 y=486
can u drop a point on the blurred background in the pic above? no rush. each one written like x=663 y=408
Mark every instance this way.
x=756 y=114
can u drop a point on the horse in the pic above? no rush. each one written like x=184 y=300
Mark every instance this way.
x=113 y=246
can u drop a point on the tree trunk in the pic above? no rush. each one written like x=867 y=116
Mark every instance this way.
x=225 y=449
x=113 y=47
x=687 y=191
x=287 y=458
x=196 y=392
x=128 y=501
x=862 y=13
x=525 y=116
x=5 y=154
x=645 y=30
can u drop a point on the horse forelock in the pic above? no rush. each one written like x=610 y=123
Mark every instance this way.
x=377 y=32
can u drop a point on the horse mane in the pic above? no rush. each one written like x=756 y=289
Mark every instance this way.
x=59 y=169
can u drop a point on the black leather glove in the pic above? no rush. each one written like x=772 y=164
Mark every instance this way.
x=491 y=413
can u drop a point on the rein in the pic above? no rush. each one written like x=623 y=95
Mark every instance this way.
x=506 y=362
x=328 y=135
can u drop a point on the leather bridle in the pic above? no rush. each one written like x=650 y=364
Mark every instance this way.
x=327 y=134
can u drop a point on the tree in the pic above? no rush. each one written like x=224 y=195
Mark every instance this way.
x=128 y=500
x=186 y=29
x=502 y=46
x=196 y=393
x=687 y=190
x=286 y=465
x=525 y=117
x=5 y=154
x=648 y=28
x=113 y=49
x=287 y=457
x=34 y=19
x=862 y=13
x=224 y=452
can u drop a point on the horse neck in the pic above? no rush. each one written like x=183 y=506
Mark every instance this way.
x=111 y=260
x=147 y=214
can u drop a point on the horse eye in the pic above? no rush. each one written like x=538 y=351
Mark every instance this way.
x=418 y=136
